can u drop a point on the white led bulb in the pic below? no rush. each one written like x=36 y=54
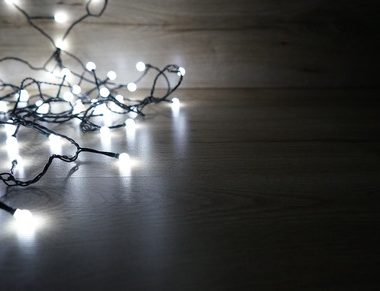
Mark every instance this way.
x=104 y=92
x=124 y=158
x=111 y=75
x=131 y=87
x=76 y=89
x=24 y=96
x=90 y=66
x=140 y=66
x=65 y=72
x=23 y=215
x=181 y=71
x=3 y=106
x=176 y=101
x=61 y=17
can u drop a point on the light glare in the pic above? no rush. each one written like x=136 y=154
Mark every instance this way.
x=131 y=87
x=111 y=75
x=61 y=17
x=90 y=66
x=104 y=92
x=140 y=66
x=76 y=89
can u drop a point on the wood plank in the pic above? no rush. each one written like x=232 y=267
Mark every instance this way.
x=221 y=43
x=243 y=190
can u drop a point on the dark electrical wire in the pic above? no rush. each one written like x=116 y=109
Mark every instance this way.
x=30 y=116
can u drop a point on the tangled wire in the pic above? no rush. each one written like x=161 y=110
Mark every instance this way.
x=19 y=108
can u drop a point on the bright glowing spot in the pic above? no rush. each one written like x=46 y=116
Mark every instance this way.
x=68 y=96
x=105 y=131
x=55 y=139
x=43 y=109
x=23 y=104
x=130 y=124
x=140 y=66
x=176 y=105
x=76 y=89
x=132 y=114
x=61 y=44
x=55 y=144
x=11 y=2
x=25 y=224
x=176 y=101
x=65 y=72
x=124 y=158
x=56 y=73
x=131 y=87
x=39 y=103
x=24 y=95
x=20 y=161
x=79 y=107
x=181 y=71
x=119 y=98
x=90 y=66
x=94 y=100
x=104 y=92
x=9 y=128
x=12 y=142
x=111 y=75
x=61 y=17
x=23 y=216
x=3 y=106
x=124 y=164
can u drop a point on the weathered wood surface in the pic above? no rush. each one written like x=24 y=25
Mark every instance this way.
x=240 y=43
x=243 y=190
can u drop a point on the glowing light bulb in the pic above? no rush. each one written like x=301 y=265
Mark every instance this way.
x=119 y=98
x=140 y=66
x=11 y=2
x=176 y=101
x=176 y=106
x=76 y=89
x=61 y=17
x=25 y=222
x=24 y=96
x=3 y=106
x=181 y=71
x=39 y=103
x=23 y=215
x=61 y=44
x=68 y=96
x=90 y=66
x=111 y=75
x=105 y=131
x=124 y=158
x=65 y=72
x=79 y=107
x=43 y=109
x=104 y=92
x=131 y=87
x=130 y=123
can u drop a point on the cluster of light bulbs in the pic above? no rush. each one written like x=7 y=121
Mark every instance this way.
x=24 y=216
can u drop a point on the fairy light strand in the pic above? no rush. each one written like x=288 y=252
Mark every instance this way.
x=85 y=96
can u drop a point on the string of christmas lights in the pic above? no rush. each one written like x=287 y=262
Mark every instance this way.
x=82 y=94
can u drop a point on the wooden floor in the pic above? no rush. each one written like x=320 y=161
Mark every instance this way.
x=240 y=190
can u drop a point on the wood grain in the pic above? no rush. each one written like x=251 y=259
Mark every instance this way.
x=221 y=43
x=243 y=190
